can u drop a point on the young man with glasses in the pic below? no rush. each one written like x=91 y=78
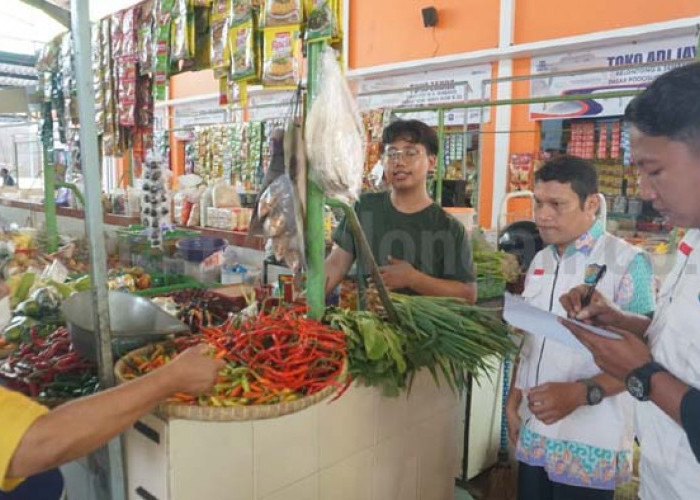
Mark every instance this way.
x=420 y=248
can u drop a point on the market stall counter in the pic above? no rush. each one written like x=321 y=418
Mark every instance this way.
x=362 y=446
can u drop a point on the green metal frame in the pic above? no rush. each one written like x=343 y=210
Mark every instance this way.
x=315 y=240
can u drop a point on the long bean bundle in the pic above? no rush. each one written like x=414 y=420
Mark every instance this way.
x=452 y=336
x=437 y=333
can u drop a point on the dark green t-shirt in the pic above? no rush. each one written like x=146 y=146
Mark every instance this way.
x=431 y=240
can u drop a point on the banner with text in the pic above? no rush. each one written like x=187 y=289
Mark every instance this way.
x=458 y=85
x=617 y=72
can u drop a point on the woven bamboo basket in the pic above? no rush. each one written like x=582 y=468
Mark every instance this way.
x=169 y=410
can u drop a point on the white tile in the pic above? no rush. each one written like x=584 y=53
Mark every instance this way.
x=395 y=470
x=348 y=425
x=392 y=416
x=286 y=450
x=306 y=489
x=422 y=398
x=209 y=460
x=437 y=456
x=350 y=479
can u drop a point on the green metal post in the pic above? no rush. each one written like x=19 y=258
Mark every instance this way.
x=51 y=221
x=441 y=156
x=315 y=240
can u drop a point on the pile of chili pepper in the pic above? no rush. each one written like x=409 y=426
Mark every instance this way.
x=49 y=368
x=271 y=358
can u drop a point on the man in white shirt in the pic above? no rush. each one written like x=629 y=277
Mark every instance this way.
x=572 y=424
x=663 y=373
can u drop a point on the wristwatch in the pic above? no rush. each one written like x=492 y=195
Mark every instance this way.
x=594 y=392
x=638 y=381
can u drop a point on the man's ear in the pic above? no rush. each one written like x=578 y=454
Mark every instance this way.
x=432 y=163
x=592 y=205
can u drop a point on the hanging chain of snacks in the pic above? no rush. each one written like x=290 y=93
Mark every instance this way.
x=155 y=200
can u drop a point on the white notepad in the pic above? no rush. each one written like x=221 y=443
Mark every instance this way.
x=520 y=314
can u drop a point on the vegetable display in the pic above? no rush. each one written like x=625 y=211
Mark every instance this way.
x=440 y=334
x=49 y=368
x=271 y=358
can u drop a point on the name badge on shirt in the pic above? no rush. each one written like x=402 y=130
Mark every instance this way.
x=591 y=272
x=539 y=272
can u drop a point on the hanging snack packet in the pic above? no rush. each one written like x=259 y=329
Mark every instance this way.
x=162 y=48
x=178 y=35
x=145 y=37
x=219 y=34
x=127 y=58
x=97 y=77
x=202 y=38
x=321 y=23
x=281 y=55
x=282 y=12
x=242 y=12
x=242 y=50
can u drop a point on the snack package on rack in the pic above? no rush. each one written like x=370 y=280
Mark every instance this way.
x=127 y=58
x=97 y=77
x=321 y=23
x=178 y=36
x=219 y=44
x=146 y=29
x=161 y=51
x=219 y=34
x=276 y=211
x=281 y=55
x=282 y=12
x=242 y=50
x=242 y=11
x=155 y=200
x=202 y=39
x=335 y=135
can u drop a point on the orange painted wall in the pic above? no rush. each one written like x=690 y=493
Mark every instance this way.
x=544 y=19
x=388 y=31
x=193 y=84
x=526 y=138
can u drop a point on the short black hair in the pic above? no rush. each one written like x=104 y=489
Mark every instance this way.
x=670 y=107
x=414 y=131
x=580 y=173
x=4 y=171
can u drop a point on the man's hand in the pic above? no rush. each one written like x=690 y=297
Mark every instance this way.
x=4 y=290
x=194 y=371
x=601 y=310
x=398 y=274
x=615 y=357
x=513 y=419
x=555 y=400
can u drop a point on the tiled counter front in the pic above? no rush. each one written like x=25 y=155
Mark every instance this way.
x=361 y=447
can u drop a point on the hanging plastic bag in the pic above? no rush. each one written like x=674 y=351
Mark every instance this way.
x=335 y=136
x=276 y=211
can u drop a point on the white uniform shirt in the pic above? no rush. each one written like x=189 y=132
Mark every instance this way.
x=668 y=468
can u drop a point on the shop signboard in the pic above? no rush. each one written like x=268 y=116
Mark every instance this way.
x=429 y=88
x=630 y=66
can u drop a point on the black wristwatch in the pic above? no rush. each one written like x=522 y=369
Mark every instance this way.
x=594 y=392
x=638 y=381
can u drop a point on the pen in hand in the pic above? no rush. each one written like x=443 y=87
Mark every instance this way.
x=586 y=300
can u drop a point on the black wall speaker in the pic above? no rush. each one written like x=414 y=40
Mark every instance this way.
x=430 y=16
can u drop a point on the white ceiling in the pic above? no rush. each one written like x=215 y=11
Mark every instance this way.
x=26 y=29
